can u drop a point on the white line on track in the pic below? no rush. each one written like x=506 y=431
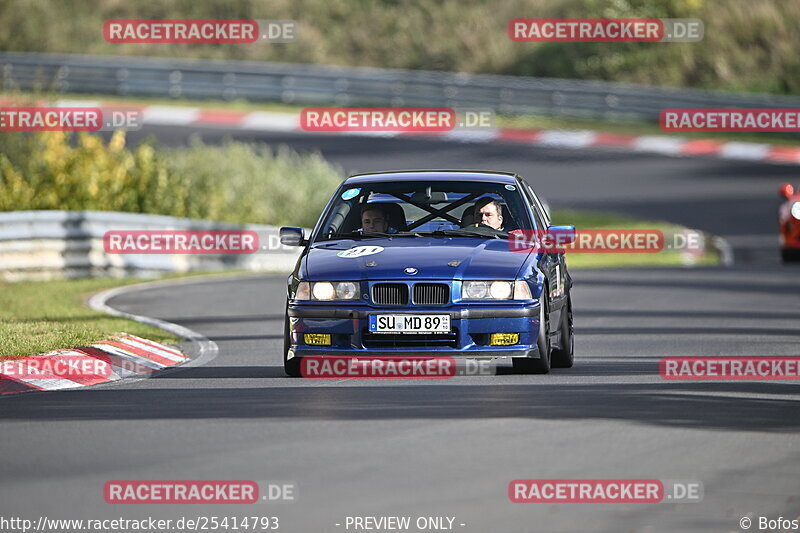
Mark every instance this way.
x=206 y=348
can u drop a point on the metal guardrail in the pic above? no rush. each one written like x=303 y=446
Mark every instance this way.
x=306 y=84
x=69 y=244
x=38 y=245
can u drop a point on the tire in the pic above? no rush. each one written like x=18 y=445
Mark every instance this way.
x=290 y=366
x=541 y=365
x=564 y=357
x=790 y=255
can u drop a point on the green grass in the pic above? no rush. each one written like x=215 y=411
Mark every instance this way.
x=40 y=316
x=584 y=220
x=661 y=259
x=603 y=220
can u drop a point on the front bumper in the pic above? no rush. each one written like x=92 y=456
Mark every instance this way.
x=471 y=328
x=790 y=235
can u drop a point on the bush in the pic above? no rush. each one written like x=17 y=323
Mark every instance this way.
x=238 y=182
x=234 y=182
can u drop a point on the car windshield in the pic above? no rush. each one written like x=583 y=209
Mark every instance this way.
x=413 y=208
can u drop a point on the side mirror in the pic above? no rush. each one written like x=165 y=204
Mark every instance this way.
x=291 y=236
x=786 y=190
x=562 y=234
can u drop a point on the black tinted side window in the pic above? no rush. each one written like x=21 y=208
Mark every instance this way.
x=541 y=220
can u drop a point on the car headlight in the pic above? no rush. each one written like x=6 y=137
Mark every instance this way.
x=475 y=290
x=346 y=290
x=495 y=290
x=501 y=290
x=796 y=210
x=327 y=290
x=323 y=290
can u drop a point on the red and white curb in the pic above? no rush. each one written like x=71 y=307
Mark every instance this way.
x=575 y=139
x=129 y=357
x=120 y=357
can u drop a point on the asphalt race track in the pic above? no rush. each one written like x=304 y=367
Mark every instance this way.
x=450 y=447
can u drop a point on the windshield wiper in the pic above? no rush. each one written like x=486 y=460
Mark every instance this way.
x=465 y=233
x=367 y=234
x=331 y=236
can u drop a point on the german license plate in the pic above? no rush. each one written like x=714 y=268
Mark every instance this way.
x=409 y=323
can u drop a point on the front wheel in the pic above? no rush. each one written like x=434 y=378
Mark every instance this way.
x=542 y=365
x=789 y=255
x=564 y=357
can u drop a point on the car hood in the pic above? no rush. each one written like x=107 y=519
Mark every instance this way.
x=433 y=257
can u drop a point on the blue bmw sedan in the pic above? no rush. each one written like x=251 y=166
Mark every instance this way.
x=422 y=263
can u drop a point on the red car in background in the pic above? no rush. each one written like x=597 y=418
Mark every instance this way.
x=789 y=220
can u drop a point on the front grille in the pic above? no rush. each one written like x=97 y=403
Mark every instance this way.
x=390 y=294
x=409 y=340
x=431 y=294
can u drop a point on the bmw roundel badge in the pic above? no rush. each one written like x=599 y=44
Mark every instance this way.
x=411 y=271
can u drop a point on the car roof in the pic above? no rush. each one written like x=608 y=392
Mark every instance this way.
x=433 y=175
